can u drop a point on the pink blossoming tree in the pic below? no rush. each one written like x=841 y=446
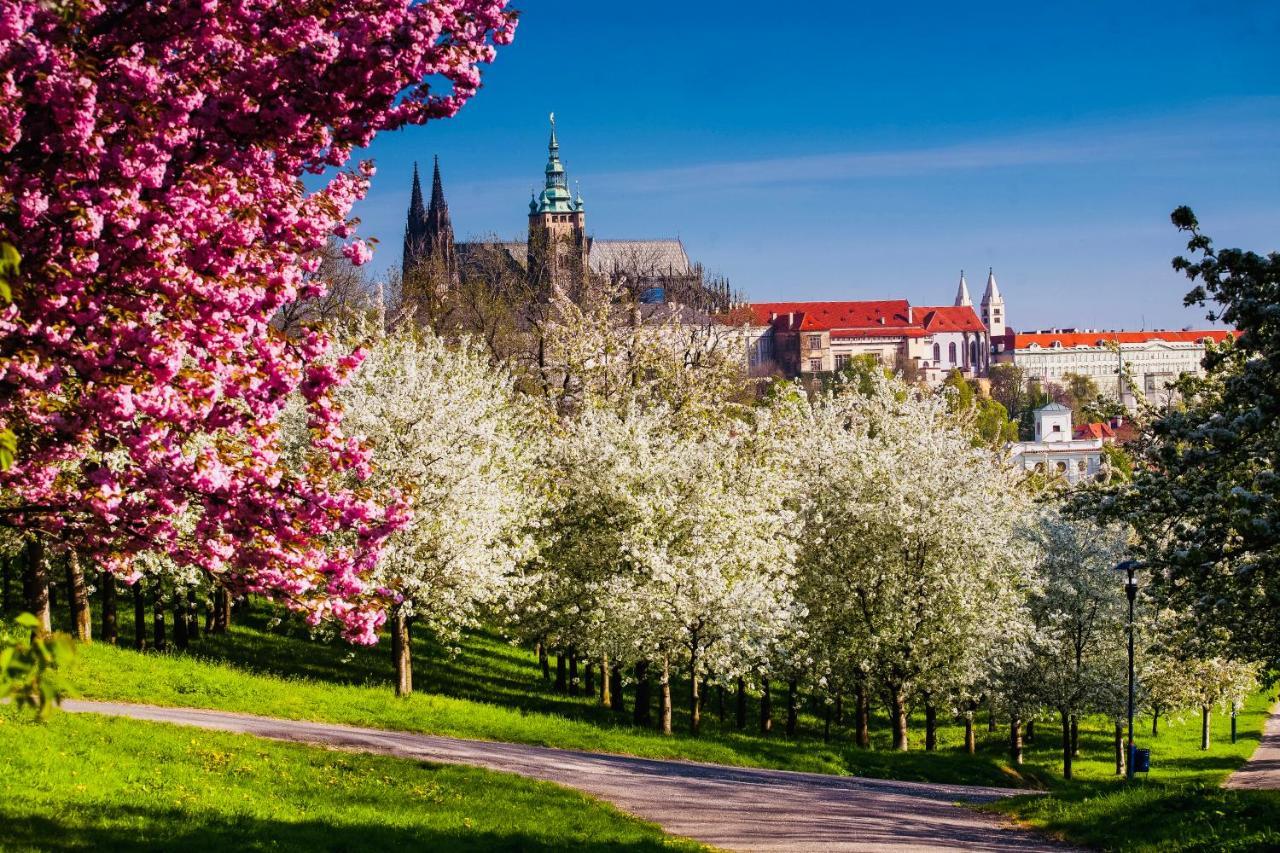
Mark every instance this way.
x=151 y=157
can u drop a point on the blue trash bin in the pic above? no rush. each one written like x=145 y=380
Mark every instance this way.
x=1141 y=760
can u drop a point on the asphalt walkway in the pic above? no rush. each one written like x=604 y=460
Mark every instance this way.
x=732 y=808
x=1262 y=770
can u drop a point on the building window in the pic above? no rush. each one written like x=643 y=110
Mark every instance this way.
x=815 y=342
x=937 y=353
x=951 y=352
x=973 y=353
x=842 y=361
x=815 y=365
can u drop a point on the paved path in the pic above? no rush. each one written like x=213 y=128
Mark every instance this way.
x=1262 y=770
x=728 y=807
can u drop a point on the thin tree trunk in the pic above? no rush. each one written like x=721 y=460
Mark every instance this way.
x=991 y=717
x=589 y=679
x=1155 y=723
x=740 y=704
x=1075 y=735
x=898 y=711
x=793 y=711
x=1031 y=731
x=1119 y=739
x=78 y=598
x=766 y=708
x=562 y=674
x=1015 y=740
x=970 y=742
x=139 y=616
x=930 y=725
x=402 y=651
x=35 y=585
x=1233 y=725
x=617 y=700
x=573 y=671
x=6 y=600
x=221 y=610
x=861 y=715
x=157 y=614
x=606 y=686
x=1066 y=744
x=720 y=703
x=544 y=661
x=695 y=698
x=642 y=713
x=839 y=709
x=665 y=681
x=193 y=614
x=1204 y=726
x=110 y=619
x=179 y=619
x=826 y=722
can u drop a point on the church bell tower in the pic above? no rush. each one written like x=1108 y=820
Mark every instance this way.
x=558 y=242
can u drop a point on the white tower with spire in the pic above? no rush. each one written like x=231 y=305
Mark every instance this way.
x=992 y=307
x=962 y=293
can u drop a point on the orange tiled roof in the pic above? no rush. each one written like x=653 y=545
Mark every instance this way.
x=878 y=318
x=1045 y=340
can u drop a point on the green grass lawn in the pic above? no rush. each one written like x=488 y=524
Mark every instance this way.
x=493 y=690
x=84 y=782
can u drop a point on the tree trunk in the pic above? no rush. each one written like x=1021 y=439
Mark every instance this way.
x=826 y=722
x=179 y=619
x=78 y=598
x=898 y=711
x=642 y=713
x=606 y=686
x=1233 y=725
x=1066 y=744
x=930 y=725
x=573 y=671
x=793 y=711
x=402 y=651
x=1075 y=735
x=35 y=585
x=110 y=621
x=1119 y=742
x=1031 y=731
x=221 y=610
x=589 y=679
x=193 y=614
x=1204 y=726
x=139 y=616
x=562 y=675
x=720 y=703
x=991 y=717
x=839 y=709
x=861 y=715
x=544 y=662
x=1015 y=740
x=1155 y=723
x=665 y=681
x=740 y=705
x=157 y=615
x=970 y=742
x=617 y=700
x=6 y=600
x=766 y=708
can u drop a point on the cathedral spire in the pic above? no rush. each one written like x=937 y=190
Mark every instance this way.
x=428 y=233
x=555 y=197
x=962 y=292
x=415 y=228
x=437 y=189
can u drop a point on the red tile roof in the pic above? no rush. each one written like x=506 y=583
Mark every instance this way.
x=871 y=319
x=1046 y=340
x=1094 y=430
x=951 y=318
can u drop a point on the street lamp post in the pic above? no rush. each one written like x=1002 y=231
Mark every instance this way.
x=1131 y=591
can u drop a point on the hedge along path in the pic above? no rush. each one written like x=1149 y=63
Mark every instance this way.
x=731 y=808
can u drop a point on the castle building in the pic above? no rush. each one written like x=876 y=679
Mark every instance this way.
x=558 y=251
x=428 y=233
x=1057 y=451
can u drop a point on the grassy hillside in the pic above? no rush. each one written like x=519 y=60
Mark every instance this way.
x=84 y=782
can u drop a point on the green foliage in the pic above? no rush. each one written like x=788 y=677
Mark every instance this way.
x=1119 y=461
x=28 y=666
x=985 y=417
x=82 y=782
x=9 y=264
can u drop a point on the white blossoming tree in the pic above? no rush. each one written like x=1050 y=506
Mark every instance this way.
x=912 y=559
x=448 y=430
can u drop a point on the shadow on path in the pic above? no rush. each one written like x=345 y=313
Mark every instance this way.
x=1262 y=771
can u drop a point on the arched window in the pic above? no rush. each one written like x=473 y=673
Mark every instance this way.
x=951 y=351
x=937 y=353
x=973 y=353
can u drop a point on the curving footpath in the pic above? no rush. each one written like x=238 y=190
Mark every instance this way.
x=1262 y=771
x=732 y=808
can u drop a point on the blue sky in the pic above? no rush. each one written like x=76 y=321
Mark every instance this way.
x=856 y=151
